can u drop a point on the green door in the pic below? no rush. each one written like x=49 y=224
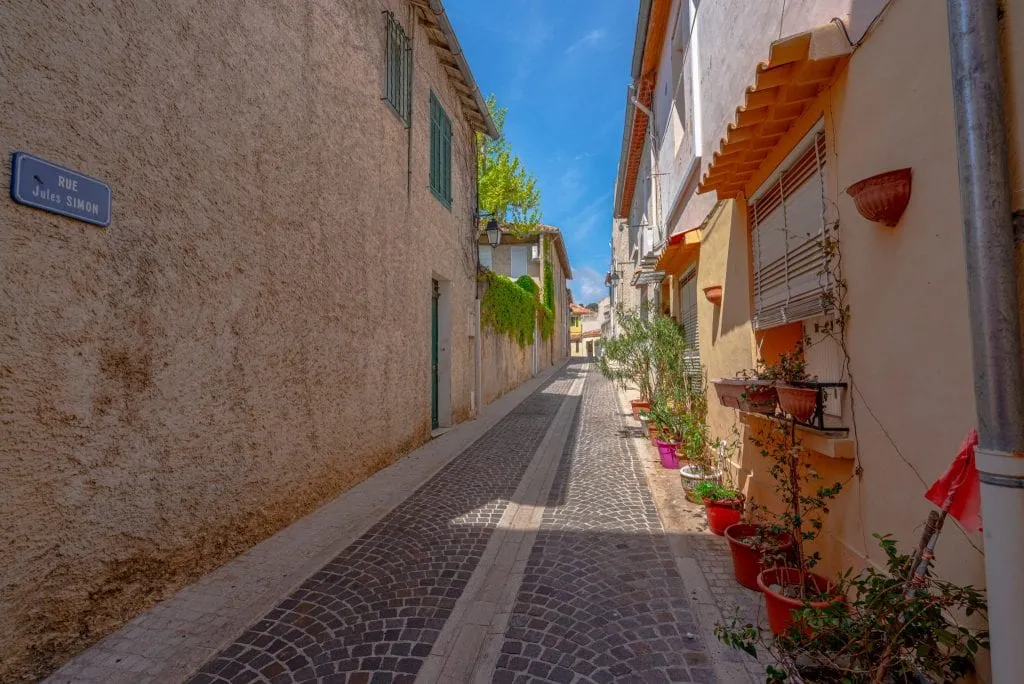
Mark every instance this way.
x=433 y=356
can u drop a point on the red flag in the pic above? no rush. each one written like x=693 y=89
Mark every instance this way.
x=958 y=490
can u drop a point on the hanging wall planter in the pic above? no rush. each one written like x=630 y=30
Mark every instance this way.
x=714 y=294
x=799 y=402
x=882 y=198
x=753 y=396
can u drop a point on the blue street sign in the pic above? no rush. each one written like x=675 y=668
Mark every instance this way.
x=37 y=183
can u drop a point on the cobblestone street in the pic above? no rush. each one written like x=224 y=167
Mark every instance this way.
x=536 y=553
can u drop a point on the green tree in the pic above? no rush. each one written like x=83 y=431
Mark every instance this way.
x=505 y=188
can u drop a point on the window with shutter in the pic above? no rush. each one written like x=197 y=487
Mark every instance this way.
x=485 y=257
x=688 y=312
x=788 y=217
x=519 y=261
x=398 y=73
x=440 y=152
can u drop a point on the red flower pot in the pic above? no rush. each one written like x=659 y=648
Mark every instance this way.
x=882 y=198
x=747 y=558
x=722 y=514
x=746 y=395
x=780 y=608
x=667 y=452
x=798 y=402
x=713 y=294
x=639 y=406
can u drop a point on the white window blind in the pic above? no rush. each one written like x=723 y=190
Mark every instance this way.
x=486 y=257
x=790 y=269
x=519 y=258
x=688 y=313
x=825 y=363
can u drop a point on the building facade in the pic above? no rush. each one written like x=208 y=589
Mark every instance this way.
x=504 y=363
x=281 y=304
x=760 y=119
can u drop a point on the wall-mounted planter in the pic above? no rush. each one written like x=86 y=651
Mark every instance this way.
x=714 y=294
x=746 y=395
x=799 y=402
x=882 y=198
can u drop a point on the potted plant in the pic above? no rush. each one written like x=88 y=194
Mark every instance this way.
x=787 y=588
x=722 y=505
x=749 y=392
x=895 y=626
x=665 y=419
x=753 y=545
x=791 y=369
x=627 y=359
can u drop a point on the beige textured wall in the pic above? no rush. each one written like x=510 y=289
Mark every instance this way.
x=726 y=337
x=908 y=336
x=250 y=336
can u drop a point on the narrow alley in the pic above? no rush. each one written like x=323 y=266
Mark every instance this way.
x=535 y=553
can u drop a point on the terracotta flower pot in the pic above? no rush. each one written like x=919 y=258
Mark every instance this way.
x=713 y=294
x=798 y=402
x=747 y=558
x=667 y=452
x=746 y=395
x=723 y=513
x=780 y=608
x=882 y=198
x=652 y=434
x=639 y=406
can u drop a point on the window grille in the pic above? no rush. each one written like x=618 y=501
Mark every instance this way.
x=440 y=152
x=398 y=58
x=791 y=275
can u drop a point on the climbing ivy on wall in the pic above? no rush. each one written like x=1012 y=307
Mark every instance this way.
x=509 y=308
x=547 y=312
x=528 y=284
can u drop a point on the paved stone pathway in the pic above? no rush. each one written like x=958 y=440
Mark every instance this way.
x=601 y=600
x=376 y=609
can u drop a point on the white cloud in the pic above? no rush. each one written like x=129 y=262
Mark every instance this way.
x=592 y=37
x=588 y=285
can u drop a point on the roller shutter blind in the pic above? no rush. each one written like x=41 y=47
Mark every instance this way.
x=688 y=314
x=790 y=269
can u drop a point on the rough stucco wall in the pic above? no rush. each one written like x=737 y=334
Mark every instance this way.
x=250 y=336
x=930 y=409
x=505 y=365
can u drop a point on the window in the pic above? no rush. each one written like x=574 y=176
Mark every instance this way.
x=398 y=55
x=486 y=256
x=688 y=313
x=440 y=153
x=519 y=255
x=790 y=269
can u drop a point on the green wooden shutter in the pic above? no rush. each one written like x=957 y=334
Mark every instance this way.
x=440 y=152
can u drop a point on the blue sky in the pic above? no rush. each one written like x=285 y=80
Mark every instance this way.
x=561 y=67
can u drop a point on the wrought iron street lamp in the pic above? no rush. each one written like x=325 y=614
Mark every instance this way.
x=493 y=233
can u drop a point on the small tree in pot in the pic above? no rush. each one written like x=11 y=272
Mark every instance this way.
x=891 y=629
x=628 y=358
x=788 y=587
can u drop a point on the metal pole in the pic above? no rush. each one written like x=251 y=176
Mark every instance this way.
x=995 y=318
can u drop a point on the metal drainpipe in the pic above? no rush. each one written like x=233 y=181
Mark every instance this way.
x=995 y=318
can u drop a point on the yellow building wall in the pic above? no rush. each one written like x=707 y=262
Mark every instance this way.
x=911 y=402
